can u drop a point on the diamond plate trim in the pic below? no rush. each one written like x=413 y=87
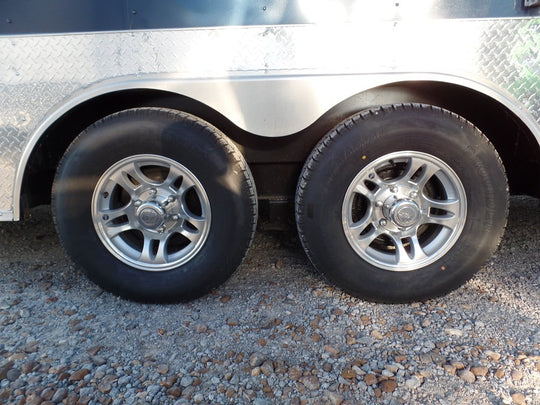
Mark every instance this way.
x=39 y=73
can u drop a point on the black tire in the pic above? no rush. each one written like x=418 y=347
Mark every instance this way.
x=213 y=202
x=413 y=257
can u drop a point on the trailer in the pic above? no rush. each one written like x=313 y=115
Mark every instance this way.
x=392 y=131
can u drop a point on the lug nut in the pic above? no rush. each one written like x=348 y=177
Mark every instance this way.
x=137 y=203
x=413 y=194
x=379 y=204
x=394 y=189
x=171 y=198
x=161 y=229
x=382 y=222
x=153 y=191
x=175 y=217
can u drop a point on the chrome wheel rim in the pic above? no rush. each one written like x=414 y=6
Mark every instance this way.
x=404 y=211
x=151 y=212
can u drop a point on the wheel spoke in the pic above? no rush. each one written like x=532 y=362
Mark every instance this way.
x=412 y=168
x=172 y=177
x=376 y=179
x=197 y=221
x=359 y=226
x=402 y=256
x=127 y=174
x=147 y=253
x=417 y=251
x=450 y=206
x=113 y=230
x=428 y=171
x=109 y=215
x=450 y=217
x=448 y=220
x=186 y=185
x=365 y=240
x=161 y=254
x=361 y=189
x=123 y=181
x=134 y=170
x=192 y=236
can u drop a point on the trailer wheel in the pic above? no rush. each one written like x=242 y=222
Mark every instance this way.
x=402 y=203
x=155 y=205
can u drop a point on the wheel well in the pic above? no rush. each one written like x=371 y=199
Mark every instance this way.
x=47 y=153
x=515 y=143
x=276 y=174
x=276 y=162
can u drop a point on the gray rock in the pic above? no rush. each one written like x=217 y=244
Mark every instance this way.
x=311 y=382
x=413 y=382
x=153 y=390
x=186 y=381
x=59 y=395
x=467 y=376
x=13 y=374
x=86 y=391
x=198 y=398
x=453 y=332
x=387 y=373
x=256 y=359
x=4 y=368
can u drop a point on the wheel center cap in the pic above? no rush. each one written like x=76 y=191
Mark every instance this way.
x=150 y=216
x=405 y=213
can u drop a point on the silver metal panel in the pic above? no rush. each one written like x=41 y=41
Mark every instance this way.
x=268 y=80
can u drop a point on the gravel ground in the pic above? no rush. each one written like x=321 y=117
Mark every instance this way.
x=274 y=333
